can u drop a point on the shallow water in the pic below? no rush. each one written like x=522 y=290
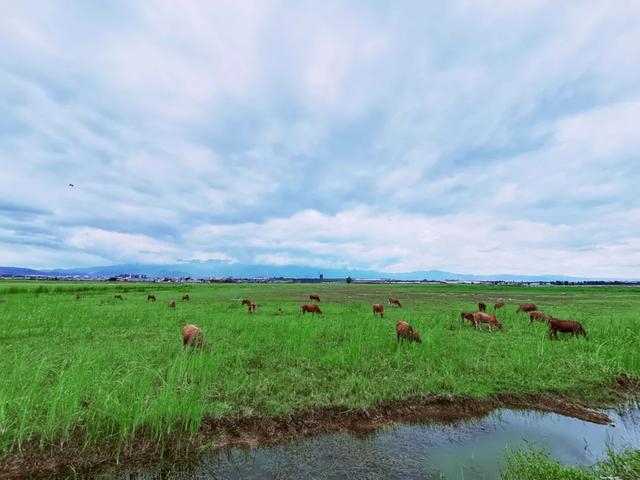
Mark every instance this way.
x=467 y=450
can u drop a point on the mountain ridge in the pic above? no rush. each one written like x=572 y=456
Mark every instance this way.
x=207 y=269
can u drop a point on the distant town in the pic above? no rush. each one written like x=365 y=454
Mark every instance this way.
x=319 y=279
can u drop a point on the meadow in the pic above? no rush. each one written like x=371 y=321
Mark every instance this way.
x=108 y=369
x=537 y=465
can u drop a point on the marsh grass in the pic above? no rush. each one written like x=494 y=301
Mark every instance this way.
x=99 y=369
x=537 y=465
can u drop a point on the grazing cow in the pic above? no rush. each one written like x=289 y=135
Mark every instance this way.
x=118 y=297
x=77 y=296
x=394 y=301
x=482 y=306
x=251 y=307
x=466 y=316
x=172 y=304
x=314 y=297
x=565 y=326
x=151 y=298
x=488 y=318
x=192 y=336
x=406 y=331
x=527 y=307
x=498 y=305
x=310 y=308
x=378 y=308
x=539 y=316
x=246 y=302
x=186 y=297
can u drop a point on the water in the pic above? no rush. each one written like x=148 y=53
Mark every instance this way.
x=467 y=450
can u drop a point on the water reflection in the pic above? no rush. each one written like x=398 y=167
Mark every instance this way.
x=466 y=450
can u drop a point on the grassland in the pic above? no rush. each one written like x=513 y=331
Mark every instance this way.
x=537 y=465
x=100 y=370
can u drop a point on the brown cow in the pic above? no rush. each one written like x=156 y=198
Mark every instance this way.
x=539 y=316
x=466 y=316
x=251 y=307
x=394 y=301
x=192 y=336
x=378 y=308
x=565 y=326
x=172 y=304
x=151 y=298
x=482 y=306
x=314 y=297
x=117 y=296
x=498 y=305
x=405 y=331
x=488 y=318
x=186 y=297
x=246 y=302
x=77 y=296
x=527 y=307
x=310 y=308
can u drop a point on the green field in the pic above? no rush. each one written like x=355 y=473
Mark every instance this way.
x=110 y=369
x=537 y=465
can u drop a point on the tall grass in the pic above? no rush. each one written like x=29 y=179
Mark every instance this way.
x=101 y=369
x=537 y=465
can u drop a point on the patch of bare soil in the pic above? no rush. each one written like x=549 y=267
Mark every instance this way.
x=250 y=432
x=625 y=383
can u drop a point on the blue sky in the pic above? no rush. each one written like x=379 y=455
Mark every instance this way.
x=469 y=136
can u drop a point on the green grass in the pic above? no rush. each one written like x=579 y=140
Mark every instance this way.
x=536 y=465
x=126 y=357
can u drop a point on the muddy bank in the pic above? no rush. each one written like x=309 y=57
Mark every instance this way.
x=251 y=432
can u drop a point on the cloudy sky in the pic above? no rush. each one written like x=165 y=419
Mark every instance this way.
x=477 y=137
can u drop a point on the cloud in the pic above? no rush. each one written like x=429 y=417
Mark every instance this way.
x=200 y=256
x=400 y=242
x=476 y=136
x=21 y=210
x=120 y=246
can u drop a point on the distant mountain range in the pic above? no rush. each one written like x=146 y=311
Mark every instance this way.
x=212 y=268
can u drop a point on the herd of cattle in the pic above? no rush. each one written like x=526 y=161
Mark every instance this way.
x=194 y=337
x=555 y=324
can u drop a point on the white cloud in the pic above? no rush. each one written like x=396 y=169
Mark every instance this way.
x=605 y=134
x=201 y=256
x=379 y=136
x=280 y=259
x=121 y=246
x=397 y=242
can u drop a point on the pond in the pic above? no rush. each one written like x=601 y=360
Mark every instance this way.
x=472 y=449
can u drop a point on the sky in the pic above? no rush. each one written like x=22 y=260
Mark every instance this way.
x=470 y=136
